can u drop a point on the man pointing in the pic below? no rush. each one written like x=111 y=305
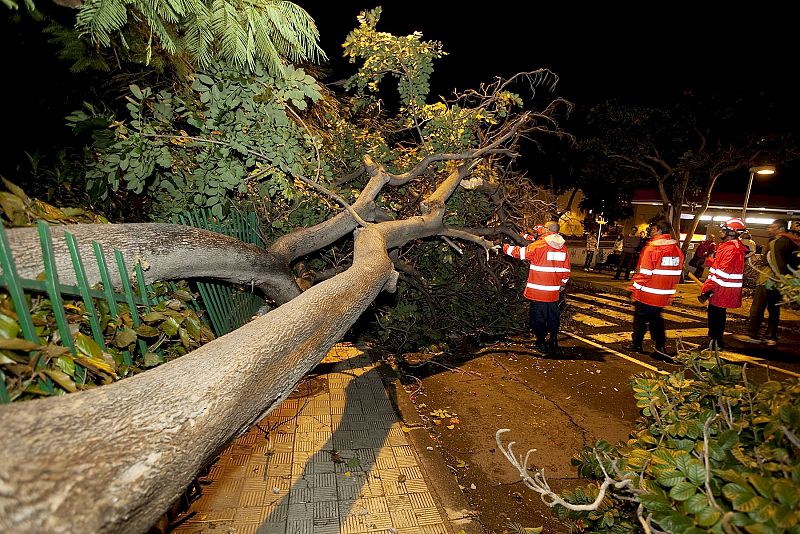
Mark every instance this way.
x=548 y=275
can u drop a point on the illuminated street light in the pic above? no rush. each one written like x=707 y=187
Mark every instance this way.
x=761 y=169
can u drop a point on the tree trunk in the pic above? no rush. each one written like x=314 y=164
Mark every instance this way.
x=167 y=252
x=112 y=459
x=700 y=212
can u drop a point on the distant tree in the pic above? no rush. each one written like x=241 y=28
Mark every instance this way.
x=684 y=147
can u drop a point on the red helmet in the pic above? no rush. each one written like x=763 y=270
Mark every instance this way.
x=538 y=229
x=735 y=225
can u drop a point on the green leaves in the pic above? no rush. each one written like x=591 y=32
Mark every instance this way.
x=753 y=478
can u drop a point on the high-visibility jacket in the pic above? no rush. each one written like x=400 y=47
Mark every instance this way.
x=725 y=275
x=549 y=266
x=658 y=272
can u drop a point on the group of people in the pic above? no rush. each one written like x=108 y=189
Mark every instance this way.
x=624 y=253
x=658 y=265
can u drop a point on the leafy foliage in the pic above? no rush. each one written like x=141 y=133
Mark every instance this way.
x=243 y=33
x=233 y=137
x=713 y=452
x=408 y=59
x=28 y=370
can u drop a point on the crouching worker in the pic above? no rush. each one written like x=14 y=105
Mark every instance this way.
x=548 y=275
x=723 y=287
x=657 y=275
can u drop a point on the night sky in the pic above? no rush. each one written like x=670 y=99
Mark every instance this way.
x=639 y=53
x=599 y=50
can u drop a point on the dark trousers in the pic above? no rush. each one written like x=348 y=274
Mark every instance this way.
x=765 y=299
x=716 y=323
x=588 y=262
x=545 y=318
x=644 y=315
x=626 y=264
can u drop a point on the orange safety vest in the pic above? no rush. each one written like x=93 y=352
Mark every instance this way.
x=725 y=275
x=658 y=272
x=549 y=266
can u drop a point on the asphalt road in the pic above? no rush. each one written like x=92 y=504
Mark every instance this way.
x=556 y=405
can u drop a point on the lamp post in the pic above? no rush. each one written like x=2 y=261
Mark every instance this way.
x=600 y=221
x=761 y=169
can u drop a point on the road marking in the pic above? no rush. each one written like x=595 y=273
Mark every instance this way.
x=589 y=320
x=625 y=306
x=614 y=352
x=678 y=334
x=627 y=317
x=700 y=311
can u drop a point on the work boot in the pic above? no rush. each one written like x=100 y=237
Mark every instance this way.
x=636 y=347
x=552 y=348
x=540 y=346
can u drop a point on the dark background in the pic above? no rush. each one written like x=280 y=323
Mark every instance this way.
x=599 y=50
x=638 y=52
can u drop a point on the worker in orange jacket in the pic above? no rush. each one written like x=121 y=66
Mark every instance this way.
x=548 y=275
x=657 y=275
x=723 y=287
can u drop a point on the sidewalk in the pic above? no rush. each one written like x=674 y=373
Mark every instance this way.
x=334 y=457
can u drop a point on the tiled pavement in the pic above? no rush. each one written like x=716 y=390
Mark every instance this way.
x=333 y=458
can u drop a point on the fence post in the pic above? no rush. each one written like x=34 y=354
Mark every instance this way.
x=126 y=286
x=83 y=285
x=11 y=279
x=51 y=281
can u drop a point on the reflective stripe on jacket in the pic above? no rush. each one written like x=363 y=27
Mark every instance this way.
x=725 y=275
x=549 y=266
x=658 y=272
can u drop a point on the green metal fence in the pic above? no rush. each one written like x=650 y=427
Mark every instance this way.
x=17 y=286
x=228 y=306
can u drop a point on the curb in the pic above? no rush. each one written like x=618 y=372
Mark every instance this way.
x=444 y=486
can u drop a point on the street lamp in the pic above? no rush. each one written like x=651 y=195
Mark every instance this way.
x=761 y=169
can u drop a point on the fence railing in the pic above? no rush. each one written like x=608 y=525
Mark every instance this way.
x=228 y=306
x=18 y=287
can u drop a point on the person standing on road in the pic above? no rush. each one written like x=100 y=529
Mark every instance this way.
x=659 y=271
x=591 y=248
x=780 y=255
x=547 y=278
x=630 y=251
x=723 y=288
x=703 y=251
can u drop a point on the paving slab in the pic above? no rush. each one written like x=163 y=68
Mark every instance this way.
x=333 y=458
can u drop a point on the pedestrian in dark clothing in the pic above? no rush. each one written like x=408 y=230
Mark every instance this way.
x=704 y=250
x=630 y=252
x=780 y=255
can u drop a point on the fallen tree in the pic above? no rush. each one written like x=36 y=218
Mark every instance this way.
x=113 y=459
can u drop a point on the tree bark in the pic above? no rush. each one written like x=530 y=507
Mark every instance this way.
x=167 y=252
x=112 y=459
